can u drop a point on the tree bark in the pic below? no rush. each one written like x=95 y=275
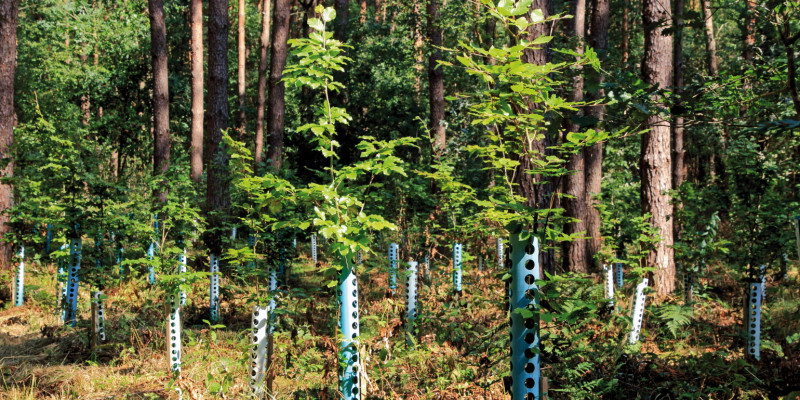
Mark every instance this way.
x=654 y=163
x=9 y=10
x=626 y=41
x=419 y=43
x=275 y=104
x=575 y=256
x=788 y=44
x=749 y=31
x=711 y=42
x=158 y=50
x=678 y=173
x=593 y=156
x=196 y=151
x=241 y=70
x=342 y=17
x=218 y=184
x=362 y=14
x=262 y=81
x=436 y=80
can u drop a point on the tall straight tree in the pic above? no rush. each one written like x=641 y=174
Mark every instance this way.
x=242 y=58
x=435 y=79
x=593 y=156
x=158 y=50
x=711 y=41
x=277 y=89
x=218 y=183
x=677 y=82
x=9 y=10
x=196 y=152
x=654 y=162
x=575 y=256
x=342 y=16
x=262 y=80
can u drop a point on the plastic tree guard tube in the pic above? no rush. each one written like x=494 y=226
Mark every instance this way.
x=524 y=321
x=638 y=312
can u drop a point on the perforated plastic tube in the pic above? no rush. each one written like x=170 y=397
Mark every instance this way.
x=349 y=329
x=609 y=276
x=394 y=250
x=638 y=312
x=181 y=270
x=174 y=332
x=258 y=354
x=457 y=267
x=314 y=248
x=63 y=265
x=524 y=295
x=501 y=253
x=618 y=275
x=151 y=275
x=73 y=281
x=754 y=319
x=48 y=239
x=411 y=298
x=19 y=281
x=214 y=288
x=99 y=317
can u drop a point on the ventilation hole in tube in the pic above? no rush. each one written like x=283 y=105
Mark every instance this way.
x=529 y=353
x=530 y=323
x=529 y=383
x=530 y=396
x=529 y=368
x=529 y=338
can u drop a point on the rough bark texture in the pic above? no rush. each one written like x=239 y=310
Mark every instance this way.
x=342 y=18
x=218 y=184
x=593 y=156
x=749 y=30
x=436 y=80
x=158 y=51
x=275 y=102
x=654 y=163
x=196 y=151
x=711 y=42
x=8 y=64
x=242 y=51
x=626 y=41
x=678 y=172
x=362 y=14
x=262 y=80
x=575 y=256
x=419 y=43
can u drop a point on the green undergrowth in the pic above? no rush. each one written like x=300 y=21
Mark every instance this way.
x=459 y=349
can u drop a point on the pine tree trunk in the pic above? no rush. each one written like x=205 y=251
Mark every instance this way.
x=218 y=184
x=275 y=102
x=262 y=81
x=654 y=163
x=678 y=173
x=9 y=10
x=241 y=70
x=435 y=80
x=575 y=256
x=626 y=41
x=196 y=151
x=158 y=50
x=342 y=17
x=593 y=156
x=362 y=14
x=711 y=42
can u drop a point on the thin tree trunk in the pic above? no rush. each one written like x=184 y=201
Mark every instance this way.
x=788 y=44
x=275 y=102
x=158 y=50
x=749 y=30
x=9 y=10
x=419 y=43
x=342 y=16
x=593 y=156
x=626 y=41
x=711 y=42
x=678 y=173
x=436 y=80
x=262 y=81
x=574 y=251
x=196 y=151
x=362 y=15
x=218 y=184
x=241 y=70
x=655 y=164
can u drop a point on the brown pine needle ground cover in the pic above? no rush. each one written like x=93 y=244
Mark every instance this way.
x=459 y=352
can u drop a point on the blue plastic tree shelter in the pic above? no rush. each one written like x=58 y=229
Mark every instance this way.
x=524 y=321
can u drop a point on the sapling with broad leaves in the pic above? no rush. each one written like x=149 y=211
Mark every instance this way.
x=338 y=205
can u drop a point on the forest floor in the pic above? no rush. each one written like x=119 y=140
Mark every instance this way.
x=459 y=352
